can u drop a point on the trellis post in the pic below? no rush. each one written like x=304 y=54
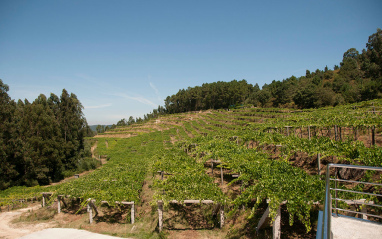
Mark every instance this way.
x=265 y=219
x=287 y=127
x=276 y=228
x=58 y=204
x=44 y=196
x=90 y=211
x=160 y=213
x=221 y=216
x=132 y=214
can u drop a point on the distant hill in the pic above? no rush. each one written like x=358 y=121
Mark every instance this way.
x=93 y=127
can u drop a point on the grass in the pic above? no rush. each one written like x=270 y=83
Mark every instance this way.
x=37 y=216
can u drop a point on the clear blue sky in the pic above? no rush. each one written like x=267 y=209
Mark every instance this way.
x=122 y=58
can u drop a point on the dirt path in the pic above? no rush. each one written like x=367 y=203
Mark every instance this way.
x=93 y=148
x=9 y=230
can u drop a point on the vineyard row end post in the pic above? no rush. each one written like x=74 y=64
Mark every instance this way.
x=265 y=219
x=160 y=214
x=45 y=195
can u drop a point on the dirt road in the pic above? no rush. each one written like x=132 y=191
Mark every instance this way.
x=9 y=230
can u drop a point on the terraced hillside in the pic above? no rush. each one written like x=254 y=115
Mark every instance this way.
x=243 y=160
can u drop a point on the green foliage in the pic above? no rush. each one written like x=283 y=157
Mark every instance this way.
x=209 y=96
x=263 y=178
x=228 y=135
x=188 y=179
x=40 y=140
x=121 y=179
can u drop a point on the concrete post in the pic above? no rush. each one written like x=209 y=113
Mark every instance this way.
x=221 y=216
x=90 y=211
x=160 y=214
x=58 y=204
x=277 y=225
x=132 y=214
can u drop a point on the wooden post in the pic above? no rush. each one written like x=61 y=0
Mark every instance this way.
x=373 y=135
x=318 y=164
x=276 y=228
x=160 y=214
x=43 y=200
x=132 y=214
x=309 y=131
x=221 y=216
x=301 y=131
x=58 y=204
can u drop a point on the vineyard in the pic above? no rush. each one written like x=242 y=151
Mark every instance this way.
x=240 y=160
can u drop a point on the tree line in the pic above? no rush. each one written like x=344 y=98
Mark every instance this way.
x=358 y=78
x=125 y=122
x=42 y=140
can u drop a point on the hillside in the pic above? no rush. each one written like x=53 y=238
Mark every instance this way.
x=264 y=154
x=357 y=78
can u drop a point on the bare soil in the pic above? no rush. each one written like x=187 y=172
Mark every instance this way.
x=10 y=228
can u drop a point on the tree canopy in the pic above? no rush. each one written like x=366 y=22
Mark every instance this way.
x=359 y=77
x=39 y=140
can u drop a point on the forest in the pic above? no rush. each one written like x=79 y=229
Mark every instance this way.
x=42 y=141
